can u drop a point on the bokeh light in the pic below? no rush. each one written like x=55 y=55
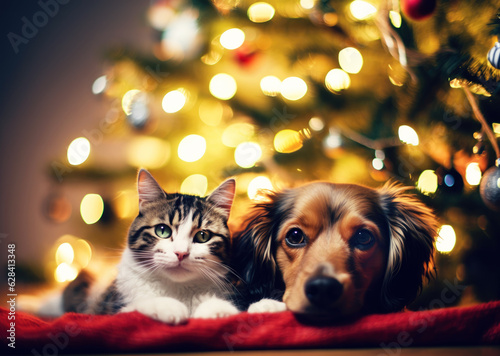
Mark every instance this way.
x=127 y=100
x=260 y=12
x=91 y=208
x=78 y=151
x=362 y=10
x=211 y=112
x=473 y=174
x=247 y=154
x=293 y=88
x=270 y=85
x=192 y=148
x=408 y=135
x=174 y=101
x=232 y=38
x=195 y=184
x=287 y=141
x=446 y=239
x=65 y=253
x=378 y=164
x=99 y=85
x=350 y=60
x=395 y=18
x=125 y=204
x=256 y=185
x=427 y=182
x=223 y=86
x=148 y=152
x=316 y=124
x=237 y=133
x=65 y=273
x=337 y=80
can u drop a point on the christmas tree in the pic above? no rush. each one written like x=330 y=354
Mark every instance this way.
x=279 y=93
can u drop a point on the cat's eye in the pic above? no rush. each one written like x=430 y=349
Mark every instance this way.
x=163 y=231
x=295 y=237
x=363 y=240
x=202 y=236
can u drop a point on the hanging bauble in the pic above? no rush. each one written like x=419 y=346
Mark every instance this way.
x=494 y=56
x=245 y=56
x=450 y=180
x=490 y=187
x=418 y=9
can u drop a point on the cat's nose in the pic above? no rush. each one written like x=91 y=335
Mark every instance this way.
x=181 y=255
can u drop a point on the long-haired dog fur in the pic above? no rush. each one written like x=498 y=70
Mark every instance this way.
x=336 y=250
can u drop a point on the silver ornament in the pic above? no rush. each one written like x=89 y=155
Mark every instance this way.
x=494 y=56
x=490 y=187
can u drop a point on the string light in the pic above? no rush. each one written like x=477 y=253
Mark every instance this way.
x=232 y=38
x=446 y=239
x=337 y=80
x=293 y=88
x=223 y=86
x=260 y=12
x=350 y=60
x=174 y=101
x=362 y=10
x=473 y=174
x=195 y=184
x=192 y=148
x=78 y=151
x=270 y=85
x=91 y=208
x=288 y=141
x=247 y=154
x=408 y=135
x=256 y=185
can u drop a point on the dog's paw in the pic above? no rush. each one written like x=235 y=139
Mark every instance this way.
x=214 y=308
x=267 y=306
x=167 y=310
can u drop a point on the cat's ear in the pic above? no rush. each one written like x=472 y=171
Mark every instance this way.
x=148 y=188
x=223 y=196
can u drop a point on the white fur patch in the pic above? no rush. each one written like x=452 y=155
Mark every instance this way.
x=267 y=306
x=214 y=308
x=165 y=309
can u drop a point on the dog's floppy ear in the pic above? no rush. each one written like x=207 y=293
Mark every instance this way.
x=254 y=252
x=413 y=229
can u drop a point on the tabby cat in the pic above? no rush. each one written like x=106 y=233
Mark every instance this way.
x=175 y=264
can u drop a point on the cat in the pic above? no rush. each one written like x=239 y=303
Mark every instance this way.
x=175 y=265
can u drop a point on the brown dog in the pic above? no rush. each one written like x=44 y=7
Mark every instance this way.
x=335 y=250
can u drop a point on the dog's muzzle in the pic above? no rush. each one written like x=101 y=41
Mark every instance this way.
x=323 y=291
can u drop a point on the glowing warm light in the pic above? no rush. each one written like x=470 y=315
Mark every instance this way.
x=307 y=4
x=232 y=38
x=408 y=135
x=127 y=100
x=337 y=80
x=350 y=60
x=260 y=12
x=316 y=124
x=270 y=85
x=427 y=182
x=181 y=37
x=192 y=148
x=223 y=86
x=99 y=85
x=91 y=208
x=378 y=164
x=65 y=253
x=174 y=100
x=195 y=184
x=247 y=154
x=256 y=185
x=496 y=128
x=237 y=133
x=65 y=272
x=78 y=151
x=211 y=112
x=473 y=174
x=395 y=18
x=83 y=252
x=125 y=204
x=333 y=140
x=362 y=10
x=148 y=152
x=287 y=141
x=293 y=88
x=446 y=239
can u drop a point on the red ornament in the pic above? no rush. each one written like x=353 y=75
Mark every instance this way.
x=418 y=9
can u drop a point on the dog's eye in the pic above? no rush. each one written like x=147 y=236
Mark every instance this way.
x=295 y=238
x=363 y=240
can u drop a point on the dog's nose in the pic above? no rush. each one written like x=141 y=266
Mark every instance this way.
x=323 y=291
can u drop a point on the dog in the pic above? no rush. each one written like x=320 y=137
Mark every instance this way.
x=331 y=251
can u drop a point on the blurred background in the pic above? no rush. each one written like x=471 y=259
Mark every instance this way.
x=273 y=93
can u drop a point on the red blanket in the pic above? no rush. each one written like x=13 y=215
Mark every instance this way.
x=133 y=332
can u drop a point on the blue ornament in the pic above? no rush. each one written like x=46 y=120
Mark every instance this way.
x=490 y=187
x=494 y=56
